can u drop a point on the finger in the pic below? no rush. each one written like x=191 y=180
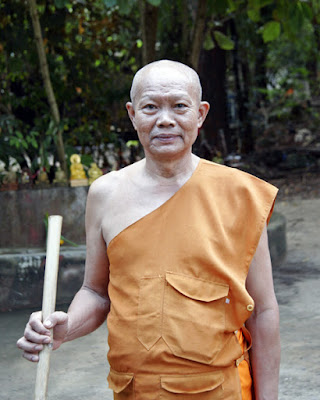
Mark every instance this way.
x=35 y=323
x=34 y=337
x=29 y=347
x=56 y=318
x=31 y=357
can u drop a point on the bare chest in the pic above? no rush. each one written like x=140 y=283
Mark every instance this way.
x=130 y=204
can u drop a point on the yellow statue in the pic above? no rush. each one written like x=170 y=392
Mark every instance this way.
x=59 y=176
x=42 y=179
x=94 y=172
x=77 y=174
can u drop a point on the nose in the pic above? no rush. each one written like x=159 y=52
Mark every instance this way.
x=165 y=119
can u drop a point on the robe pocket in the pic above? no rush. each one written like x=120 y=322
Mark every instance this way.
x=122 y=385
x=192 y=387
x=150 y=310
x=194 y=317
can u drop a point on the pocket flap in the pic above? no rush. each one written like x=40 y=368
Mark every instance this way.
x=118 y=381
x=192 y=384
x=197 y=289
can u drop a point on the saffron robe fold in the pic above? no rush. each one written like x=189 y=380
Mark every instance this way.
x=177 y=288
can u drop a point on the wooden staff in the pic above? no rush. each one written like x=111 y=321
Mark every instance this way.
x=49 y=301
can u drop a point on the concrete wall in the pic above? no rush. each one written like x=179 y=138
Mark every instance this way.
x=22 y=213
x=22 y=271
x=22 y=275
x=22 y=244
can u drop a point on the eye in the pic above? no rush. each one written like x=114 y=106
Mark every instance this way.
x=180 y=105
x=150 y=107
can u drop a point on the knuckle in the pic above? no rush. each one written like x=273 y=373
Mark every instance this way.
x=26 y=329
x=27 y=334
x=35 y=315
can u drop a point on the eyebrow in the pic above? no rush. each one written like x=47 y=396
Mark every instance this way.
x=152 y=96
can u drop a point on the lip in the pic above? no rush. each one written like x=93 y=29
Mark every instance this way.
x=166 y=137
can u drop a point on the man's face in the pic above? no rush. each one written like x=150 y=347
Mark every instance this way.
x=166 y=112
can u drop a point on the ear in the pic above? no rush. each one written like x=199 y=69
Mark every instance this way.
x=131 y=113
x=204 y=108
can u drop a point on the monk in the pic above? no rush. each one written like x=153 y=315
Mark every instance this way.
x=177 y=261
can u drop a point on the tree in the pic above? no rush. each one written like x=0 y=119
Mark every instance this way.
x=47 y=82
x=148 y=24
x=94 y=47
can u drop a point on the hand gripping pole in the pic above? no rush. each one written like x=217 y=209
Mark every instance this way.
x=48 y=301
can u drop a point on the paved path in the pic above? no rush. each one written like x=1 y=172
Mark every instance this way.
x=297 y=285
x=79 y=369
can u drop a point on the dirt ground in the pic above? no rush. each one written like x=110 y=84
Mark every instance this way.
x=79 y=369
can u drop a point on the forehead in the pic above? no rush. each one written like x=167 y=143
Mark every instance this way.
x=164 y=82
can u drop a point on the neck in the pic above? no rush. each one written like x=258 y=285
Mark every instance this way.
x=171 y=170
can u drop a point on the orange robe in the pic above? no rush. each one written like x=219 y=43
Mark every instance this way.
x=177 y=289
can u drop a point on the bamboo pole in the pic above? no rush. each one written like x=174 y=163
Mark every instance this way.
x=48 y=301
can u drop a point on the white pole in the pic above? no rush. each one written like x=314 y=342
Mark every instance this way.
x=48 y=300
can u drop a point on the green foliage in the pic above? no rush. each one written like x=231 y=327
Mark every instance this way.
x=208 y=43
x=271 y=31
x=124 y=6
x=155 y=3
x=60 y=3
x=223 y=41
x=93 y=48
x=86 y=52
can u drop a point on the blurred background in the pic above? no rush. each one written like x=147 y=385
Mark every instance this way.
x=66 y=75
x=66 y=68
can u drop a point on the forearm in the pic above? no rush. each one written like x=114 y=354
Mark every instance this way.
x=86 y=313
x=265 y=353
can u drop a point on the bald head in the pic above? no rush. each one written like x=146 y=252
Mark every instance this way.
x=166 y=68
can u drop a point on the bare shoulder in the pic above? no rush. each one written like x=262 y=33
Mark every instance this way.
x=110 y=186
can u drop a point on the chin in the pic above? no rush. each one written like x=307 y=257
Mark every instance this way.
x=168 y=151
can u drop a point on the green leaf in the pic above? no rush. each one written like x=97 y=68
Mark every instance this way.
x=109 y=3
x=34 y=143
x=306 y=10
x=232 y=6
x=271 y=31
x=223 y=41
x=264 y=3
x=208 y=43
x=155 y=3
x=132 y=143
x=60 y=3
x=139 y=43
x=254 y=14
x=125 y=6
x=220 y=7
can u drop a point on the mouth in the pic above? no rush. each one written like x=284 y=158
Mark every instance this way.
x=166 y=137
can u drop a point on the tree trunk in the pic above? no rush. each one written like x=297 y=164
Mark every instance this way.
x=313 y=62
x=148 y=22
x=240 y=64
x=198 y=33
x=184 y=43
x=47 y=81
x=260 y=73
x=212 y=70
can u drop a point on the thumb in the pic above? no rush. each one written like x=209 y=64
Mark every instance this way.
x=56 y=318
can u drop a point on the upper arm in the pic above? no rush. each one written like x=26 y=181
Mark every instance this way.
x=259 y=280
x=97 y=265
